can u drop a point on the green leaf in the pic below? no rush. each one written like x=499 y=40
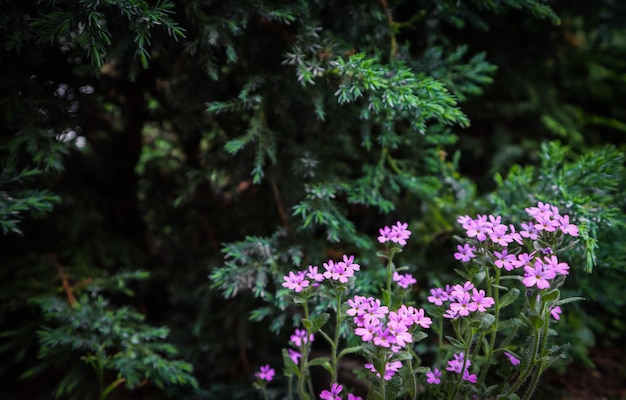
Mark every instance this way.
x=316 y=323
x=551 y=296
x=323 y=362
x=509 y=297
x=349 y=350
x=291 y=368
x=455 y=342
x=419 y=336
x=569 y=300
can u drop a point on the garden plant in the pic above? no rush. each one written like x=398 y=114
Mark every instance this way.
x=292 y=174
x=500 y=262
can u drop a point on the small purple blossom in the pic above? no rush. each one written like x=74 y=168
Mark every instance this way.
x=556 y=312
x=404 y=280
x=459 y=291
x=538 y=276
x=354 y=397
x=514 y=360
x=299 y=337
x=553 y=263
x=398 y=233
x=465 y=252
x=463 y=305
x=505 y=260
x=313 y=274
x=333 y=394
x=469 y=377
x=482 y=301
x=390 y=369
x=438 y=296
x=294 y=355
x=296 y=281
x=566 y=227
x=368 y=330
x=433 y=377
x=266 y=373
x=456 y=365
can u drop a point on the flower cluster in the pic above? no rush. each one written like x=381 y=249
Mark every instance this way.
x=460 y=365
x=398 y=233
x=461 y=299
x=404 y=280
x=298 y=339
x=391 y=367
x=340 y=271
x=546 y=218
x=540 y=267
x=375 y=323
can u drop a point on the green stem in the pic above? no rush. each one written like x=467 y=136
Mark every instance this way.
x=440 y=341
x=389 y=279
x=524 y=374
x=494 y=328
x=305 y=357
x=334 y=359
x=542 y=349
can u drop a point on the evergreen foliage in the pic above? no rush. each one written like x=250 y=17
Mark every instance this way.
x=236 y=140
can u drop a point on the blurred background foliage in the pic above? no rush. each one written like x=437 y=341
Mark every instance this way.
x=175 y=141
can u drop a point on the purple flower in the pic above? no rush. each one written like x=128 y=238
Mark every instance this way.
x=523 y=259
x=482 y=302
x=498 y=235
x=465 y=253
x=354 y=397
x=529 y=231
x=457 y=364
x=333 y=394
x=385 y=234
x=337 y=271
x=400 y=333
x=538 y=276
x=368 y=330
x=450 y=314
x=349 y=264
x=404 y=280
x=469 y=377
x=504 y=260
x=400 y=233
x=556 y=312
x=459 y=291
x=566 y=227
x=480 y=228
x=463 y=305
x=294 y=355
x=390 y=369
x=313 y=274
x=420 y=319
x=295 y=281
x=384 y=338
x=266 y=373
x=438 y=296
x=514 y=360
x=515 y=235
x=375 y=312
x=434 y=377
x=358 y=305
x=553 y=263
x=299 y=337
